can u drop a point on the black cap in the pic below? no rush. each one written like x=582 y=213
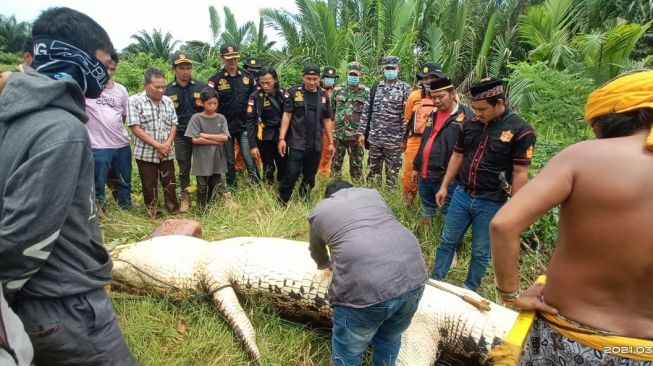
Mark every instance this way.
x=431 y=68
x=253 y=62
x=440 y=84
x=329 y=72
x=311 y=69
x=486 y=88
x=229 y=51
x=181 y=58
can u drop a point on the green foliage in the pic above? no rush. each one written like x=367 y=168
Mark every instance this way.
x=13 y=34
x=156 y=44
x=552 y=101
x=131 y=67
x=9 y=61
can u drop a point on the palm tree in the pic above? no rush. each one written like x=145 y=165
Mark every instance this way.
x=156 y=44
x=232 y=32
x=13 y=34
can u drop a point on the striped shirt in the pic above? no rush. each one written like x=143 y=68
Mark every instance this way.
x=156 y=120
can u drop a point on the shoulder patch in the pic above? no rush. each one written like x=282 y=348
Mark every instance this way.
x=211 y=84
x=250 y=101
x=506 y=136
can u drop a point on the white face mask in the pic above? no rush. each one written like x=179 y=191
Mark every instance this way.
x=328 y=82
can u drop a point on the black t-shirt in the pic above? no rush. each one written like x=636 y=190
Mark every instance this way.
x=312 y=120
x=491 y=149
x=305 y=131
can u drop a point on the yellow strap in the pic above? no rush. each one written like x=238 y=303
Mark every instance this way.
x=259 y=132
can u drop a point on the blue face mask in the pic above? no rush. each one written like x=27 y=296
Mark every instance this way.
x=328 y=82
x=353 y=80
x=390 y=74
x=58 y=59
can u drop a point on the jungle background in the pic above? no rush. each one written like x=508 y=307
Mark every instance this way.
x=552 y=53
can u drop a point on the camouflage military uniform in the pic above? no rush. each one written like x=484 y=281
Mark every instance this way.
x=386 y=126
x=348 y=104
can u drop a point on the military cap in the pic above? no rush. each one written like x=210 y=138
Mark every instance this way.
x=441 y=84
x=354 y=67
x=181 y=58
x=431 y=68
x=486 y=88
x=311 y=69
x=229 y=51
x=253 y=62
x=329 y=72
x=390 y=61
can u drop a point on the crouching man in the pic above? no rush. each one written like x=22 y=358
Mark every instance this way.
x=378 y=272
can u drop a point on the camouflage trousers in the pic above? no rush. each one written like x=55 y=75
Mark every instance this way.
x=388 y=155
x=355 y=151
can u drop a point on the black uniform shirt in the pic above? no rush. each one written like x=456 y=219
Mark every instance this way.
x=186 y=99
x=269 y=108
x=491 y=149
x=305 y=131
x=234 y=92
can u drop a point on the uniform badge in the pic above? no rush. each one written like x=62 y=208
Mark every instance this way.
x=299 y=96
x=176 y=104
x=506 y=136
x=286 y=94
x=323 y=100
x=250 y=102
x=529 y=152
x=245 y=80
x=173 y=97
x=460 y=117
x=266 y=102
x=426 y=69
x=330 y=72
x=211 y=84
x=223 y=85
x=429 y=121
x=196 y=95
x=250 y=109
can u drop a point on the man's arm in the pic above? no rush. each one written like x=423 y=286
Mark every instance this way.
x=327 y=124
x=318 y=250
x=455 y=162
x=519 y=177
x=32 y=216
x=283 y=130
x=549 y=188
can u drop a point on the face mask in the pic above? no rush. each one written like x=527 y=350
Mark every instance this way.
x=328 y=82
x=353 y=80
x=390 y=74
x=58 y=60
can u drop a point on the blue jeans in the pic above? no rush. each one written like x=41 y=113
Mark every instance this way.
x=427 y=189
x=121 y=161
x=381 y=325
x=252 y=170
x=465 y=210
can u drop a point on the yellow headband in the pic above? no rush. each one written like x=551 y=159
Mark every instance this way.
x=623 y=94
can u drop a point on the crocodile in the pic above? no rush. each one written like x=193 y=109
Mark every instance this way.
x=445 y=329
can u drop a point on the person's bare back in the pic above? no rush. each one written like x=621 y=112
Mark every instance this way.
x=600 y=273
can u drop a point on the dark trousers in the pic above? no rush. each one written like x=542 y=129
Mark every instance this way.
x=206 y=187
x=272 y=160
x=299 y=162
x=150 y=174
x=243 y=142
x=119 y=161
x=183 y=154
x=74 y=330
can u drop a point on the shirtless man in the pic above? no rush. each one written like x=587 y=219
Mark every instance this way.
x=599 y=277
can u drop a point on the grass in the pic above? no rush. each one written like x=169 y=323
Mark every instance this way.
x=154 y=327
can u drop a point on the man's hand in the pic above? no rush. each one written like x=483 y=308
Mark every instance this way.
x=402 y=146
x=331 y=149
x=361 y=140
x=414 y=175
x=532 y=299
x=441 y=196
x=255 y=153
x=282 y=148
x=164 y=150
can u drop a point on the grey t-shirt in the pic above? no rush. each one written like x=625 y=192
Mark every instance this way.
x=208 y=159
x=374 y=258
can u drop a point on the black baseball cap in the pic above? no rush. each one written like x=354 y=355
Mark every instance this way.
x=311 y=69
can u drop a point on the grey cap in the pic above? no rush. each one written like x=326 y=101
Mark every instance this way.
x=390 y=60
